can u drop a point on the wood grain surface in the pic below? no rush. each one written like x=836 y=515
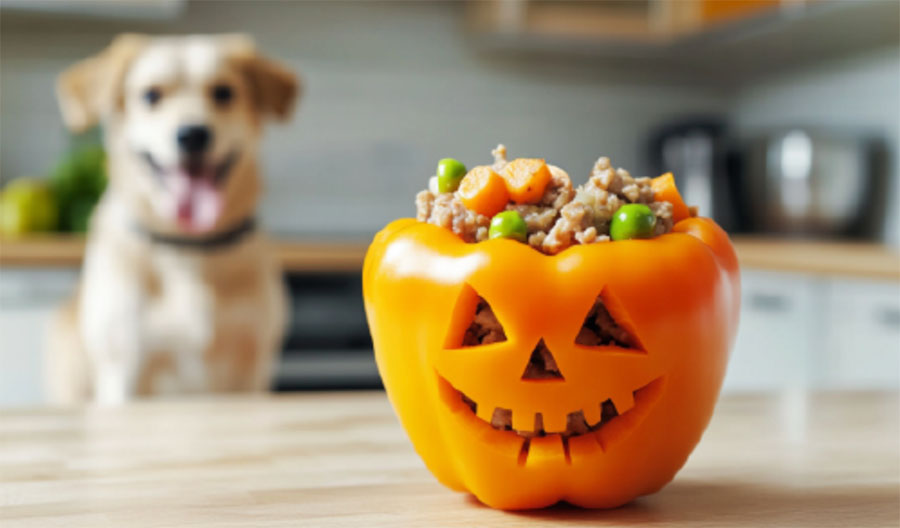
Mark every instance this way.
x=820 y=257
x=339 y=460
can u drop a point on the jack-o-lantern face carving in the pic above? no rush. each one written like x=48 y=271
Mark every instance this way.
x=528 y=379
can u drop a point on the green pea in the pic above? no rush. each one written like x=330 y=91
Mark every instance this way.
x=632 y=221
x=449 y=172
x=508 y=224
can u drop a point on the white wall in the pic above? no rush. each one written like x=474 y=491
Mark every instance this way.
x=391 y=88
x=856 y=93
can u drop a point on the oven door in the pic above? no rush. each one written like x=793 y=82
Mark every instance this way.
x=327 y=345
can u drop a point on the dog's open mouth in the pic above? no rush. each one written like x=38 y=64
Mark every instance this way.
x=196 y=186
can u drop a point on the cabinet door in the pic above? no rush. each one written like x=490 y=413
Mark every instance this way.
x=863 y=349
x=776 y=334
x=28 y=299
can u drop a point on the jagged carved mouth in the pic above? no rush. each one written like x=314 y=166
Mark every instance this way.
x=611 y=426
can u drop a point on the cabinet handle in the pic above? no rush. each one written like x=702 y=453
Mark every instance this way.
x=889 y=317
x=768 y=302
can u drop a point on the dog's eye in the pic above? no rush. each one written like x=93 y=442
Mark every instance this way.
x=222 y=94
x=152 y=96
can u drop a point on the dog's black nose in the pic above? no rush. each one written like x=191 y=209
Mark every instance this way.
x=193 y=139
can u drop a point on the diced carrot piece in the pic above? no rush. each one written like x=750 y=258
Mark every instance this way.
x=664 y=190
x=482 y=190
x=526 y=179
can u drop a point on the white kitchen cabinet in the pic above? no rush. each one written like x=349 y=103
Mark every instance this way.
x=863 y=334
x=775 y=341
x=28 y=299
x=810 y=331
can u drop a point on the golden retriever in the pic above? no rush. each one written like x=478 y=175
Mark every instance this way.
x=179 y=292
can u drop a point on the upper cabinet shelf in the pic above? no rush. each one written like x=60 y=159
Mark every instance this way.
x=127 y=10
x=634 y=21
x=737 y=38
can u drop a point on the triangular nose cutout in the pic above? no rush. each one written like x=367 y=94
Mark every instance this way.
x=542 y=364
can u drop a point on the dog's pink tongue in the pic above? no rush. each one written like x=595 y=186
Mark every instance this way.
x=199 y=204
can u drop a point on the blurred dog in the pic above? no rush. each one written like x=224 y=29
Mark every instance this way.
x=179 y=292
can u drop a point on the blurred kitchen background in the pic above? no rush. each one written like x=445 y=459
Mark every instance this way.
x=779 y=118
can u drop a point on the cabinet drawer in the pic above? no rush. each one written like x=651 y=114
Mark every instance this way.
x=774 y=342
x=863 y=330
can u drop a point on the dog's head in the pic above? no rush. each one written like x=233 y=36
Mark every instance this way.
x=182 y=117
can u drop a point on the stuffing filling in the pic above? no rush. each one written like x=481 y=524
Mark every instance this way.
x=485 y=328
x=558 y=218
x=600 y=329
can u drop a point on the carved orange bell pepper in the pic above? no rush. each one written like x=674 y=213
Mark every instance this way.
x=677 y=294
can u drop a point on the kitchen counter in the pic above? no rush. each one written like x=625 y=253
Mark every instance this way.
x=66 y=251
x=855 y=259
x=334 y=460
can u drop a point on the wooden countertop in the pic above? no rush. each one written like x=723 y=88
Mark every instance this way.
x=818 y=257
x=61 y=251
x=337 y=460
x=825 y=258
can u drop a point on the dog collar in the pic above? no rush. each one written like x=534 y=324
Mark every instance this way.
x=214 y=241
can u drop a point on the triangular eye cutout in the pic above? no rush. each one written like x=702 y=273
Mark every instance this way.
x=542 y=364
x=484 y=328
x=602 y=328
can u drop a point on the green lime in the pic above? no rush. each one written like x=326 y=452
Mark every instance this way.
x=27 y=205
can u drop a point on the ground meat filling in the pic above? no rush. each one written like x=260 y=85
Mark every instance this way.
x=542 y=216
x=600 y=329
x=564 y=215
x=542 y=364
x=586 y=219
x=484 y=328
x=447 y=211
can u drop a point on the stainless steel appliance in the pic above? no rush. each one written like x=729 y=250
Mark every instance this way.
x=696 y=152
x=814 y=182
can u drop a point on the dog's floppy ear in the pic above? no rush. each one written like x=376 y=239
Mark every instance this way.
x=91 y=89
x=274 y=87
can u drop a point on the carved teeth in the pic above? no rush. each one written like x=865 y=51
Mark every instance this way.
x=522 y=421
x=555 y=423
x=538 y=424
x=592 y=415
x=607 y=411
x=575 y=423
x=623 y=402
x=502 y=419
x=484 y=411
